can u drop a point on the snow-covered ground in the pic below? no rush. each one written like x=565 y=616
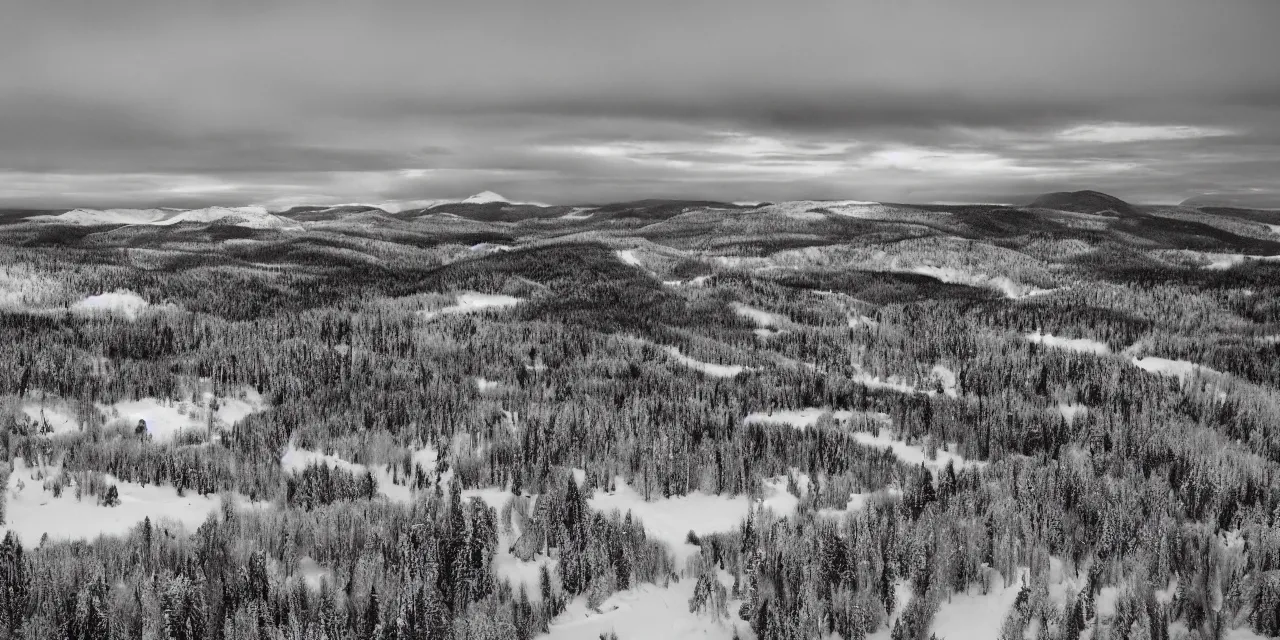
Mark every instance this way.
x=121 y=302
x=1069 y=411
x=1180 y=369
x=628 y=256
x=50 y=410
x=255 y=217
x=296 y=459
x=760 y=317
x=1005 y=285
x=914 y=454
x=32 y=511
x=579 y=213
x=941 y=377
x=1082 y=345
x=671 y=519
x=715 y=370
x=165 y=418
x=1219 y=261
x=807 y=417
x=648 y=611
x=470 y=302
x=974 y=616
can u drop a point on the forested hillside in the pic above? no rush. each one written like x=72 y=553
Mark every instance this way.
x=652 y=419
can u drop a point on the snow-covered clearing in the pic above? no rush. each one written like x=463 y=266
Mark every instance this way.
x=671 y=519
x=861 y=321
x=33 y=512
x=1082 y=345
x=1220 y=261
x=121 y=302
x=470 y=302
x=165 y=418
x=1069 y=411
x=760 y=317
x=1180 y=369
x=915 y=454
x=808 y=417
x=648 y=611
x=49 y=410
x=714 y=370
x=1005 y=285
x=579 y=213
x=628 y=256
x=943 y=379
x=296 y=459
x=973 y=616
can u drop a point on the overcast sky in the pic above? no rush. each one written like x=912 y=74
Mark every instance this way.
x=194 y=102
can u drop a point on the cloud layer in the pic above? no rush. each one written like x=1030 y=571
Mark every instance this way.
x=143 y=102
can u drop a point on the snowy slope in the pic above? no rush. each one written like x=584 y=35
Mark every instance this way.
x=255 y=217
x=484 y=197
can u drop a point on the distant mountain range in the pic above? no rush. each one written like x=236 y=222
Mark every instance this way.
x=490 y=207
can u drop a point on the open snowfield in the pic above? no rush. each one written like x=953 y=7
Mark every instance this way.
x=628 y=256
x=648 y=612
x=121 y=302
x=974 y=616
x=714 y=370
x=471 y=302
x=1180 y=369
x=165 y=418
x=33 y=512
x=1081 y=345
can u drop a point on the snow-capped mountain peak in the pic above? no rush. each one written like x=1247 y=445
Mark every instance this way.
x=484 y=197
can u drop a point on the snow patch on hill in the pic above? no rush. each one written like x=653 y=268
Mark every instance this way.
x=1011 y=289
x=914 y=454
x=471 y=302
x=484 y=197
x=761 y=318
x=671 y=519
x=1180 y=369
x=121 y=302
x=628 y=256
x=977 y=616
x=714 y=370
x=1082 y=345
x=255 y=217
x=809 y=416
x=32 y=511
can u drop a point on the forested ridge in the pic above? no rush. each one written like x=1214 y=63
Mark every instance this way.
x=489 y=424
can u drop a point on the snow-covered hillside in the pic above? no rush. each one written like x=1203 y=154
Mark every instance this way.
x=255 y=217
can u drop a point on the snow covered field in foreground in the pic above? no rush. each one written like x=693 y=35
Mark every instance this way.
x=33 y=512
